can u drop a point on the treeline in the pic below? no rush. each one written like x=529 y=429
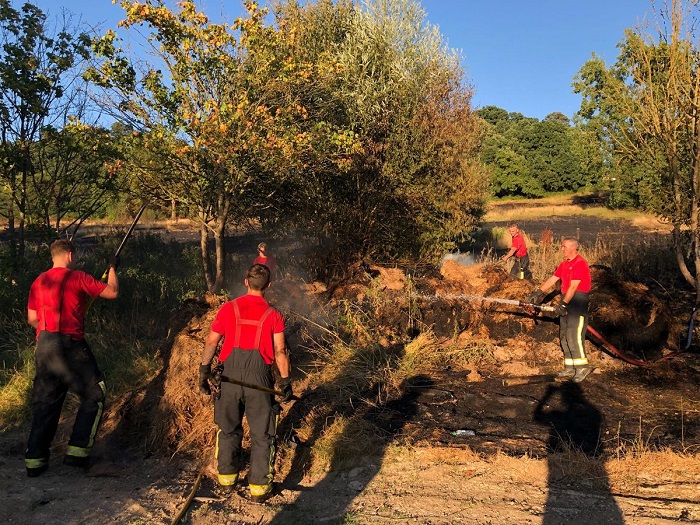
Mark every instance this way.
x=531 y=158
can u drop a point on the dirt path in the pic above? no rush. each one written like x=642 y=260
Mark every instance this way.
x=436 y=486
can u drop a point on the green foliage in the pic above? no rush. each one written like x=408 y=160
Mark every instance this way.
x=410 y=181
x=530 y=158
x=38 y=70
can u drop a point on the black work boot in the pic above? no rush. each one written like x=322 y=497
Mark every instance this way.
x=37 y=471
x=77 y=461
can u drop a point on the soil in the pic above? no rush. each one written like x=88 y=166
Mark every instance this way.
x=500 y=441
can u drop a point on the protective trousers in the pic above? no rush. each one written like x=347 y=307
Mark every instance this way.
x=521 y=268
x=572 y=331
x=63 y=364
x=261 y=412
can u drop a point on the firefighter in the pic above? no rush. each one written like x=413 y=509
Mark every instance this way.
x=64 y=360
x=253 y=340
x=267 y=260
x=575 y=276
x=518 y=249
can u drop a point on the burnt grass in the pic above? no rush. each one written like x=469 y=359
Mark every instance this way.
x=625 y=411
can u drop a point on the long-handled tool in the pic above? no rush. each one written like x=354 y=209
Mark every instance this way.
x=105 y=275
x=225 y=379
x=126 y=237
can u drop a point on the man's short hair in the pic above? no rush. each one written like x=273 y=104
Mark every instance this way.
x=60 y=247
x=262 y=246
x=513 y=225
x=571 y=239
x=258 y=277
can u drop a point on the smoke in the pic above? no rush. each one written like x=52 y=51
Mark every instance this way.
x=463 y=259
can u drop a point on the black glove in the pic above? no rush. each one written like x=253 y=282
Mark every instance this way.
x=204 y=376
x=561 y=309
x=285 y=385
x=114 y=261
x=536 y=297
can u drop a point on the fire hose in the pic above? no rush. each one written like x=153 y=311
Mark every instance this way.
x=596 y=335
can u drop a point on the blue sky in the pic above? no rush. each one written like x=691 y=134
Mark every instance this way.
x=520 y=55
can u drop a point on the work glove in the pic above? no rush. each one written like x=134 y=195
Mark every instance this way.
x=561 y=309
x=285 y=385
x=204 y=376
x=536 y=297
x=114 y=261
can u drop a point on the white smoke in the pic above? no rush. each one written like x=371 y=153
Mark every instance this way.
x=463 y=259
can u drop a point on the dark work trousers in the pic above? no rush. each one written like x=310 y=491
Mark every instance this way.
x=63 y=364
x=521 y=264
x=260 y=410
x=572 y=331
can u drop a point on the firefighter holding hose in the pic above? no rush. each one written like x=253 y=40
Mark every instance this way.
x=253 y=340
x=575 y=276
x=64 y=360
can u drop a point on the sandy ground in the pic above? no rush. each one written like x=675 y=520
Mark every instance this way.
x=418 y=485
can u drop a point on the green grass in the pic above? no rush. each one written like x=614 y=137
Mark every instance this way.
x=125 y=334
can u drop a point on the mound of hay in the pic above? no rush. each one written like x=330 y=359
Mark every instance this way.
x=628 y=315
x=170 y=415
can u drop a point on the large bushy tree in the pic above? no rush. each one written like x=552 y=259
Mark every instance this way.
x=530 y=158
x=217 y=106
x=647 y=106
x=412 y=183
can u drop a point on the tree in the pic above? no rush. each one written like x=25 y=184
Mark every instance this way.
x=38 y=69
x=411 y=183
x=222 y=115
x=650 y=106
x=529 y=157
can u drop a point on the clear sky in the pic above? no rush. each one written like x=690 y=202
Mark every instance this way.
x=520 y=55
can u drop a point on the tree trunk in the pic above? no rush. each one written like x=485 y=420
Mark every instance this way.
x=220 y=242
x=173 y=210
x=204 y=250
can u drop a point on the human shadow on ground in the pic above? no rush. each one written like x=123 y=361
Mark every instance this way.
x=574 y=448
x=347 y=477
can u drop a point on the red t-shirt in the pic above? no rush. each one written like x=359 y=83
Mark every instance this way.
x=519 y=243
x=44 y=296
x=251 y=307
x=268 y=261
x=574 y=270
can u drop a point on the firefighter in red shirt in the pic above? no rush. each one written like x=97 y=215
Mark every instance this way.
x=64 y=360
x=518 y=249
x=267 y=260
x=575 y=276
x=253 y=340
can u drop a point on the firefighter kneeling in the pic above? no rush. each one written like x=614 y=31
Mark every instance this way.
x=253 y=340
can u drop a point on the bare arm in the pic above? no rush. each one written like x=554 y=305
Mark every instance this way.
x=281 y=355
x=546 y=286
x=210 y=346
x=32 y=318
x=509 y=254
x=571 y=291
x=112 y=289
